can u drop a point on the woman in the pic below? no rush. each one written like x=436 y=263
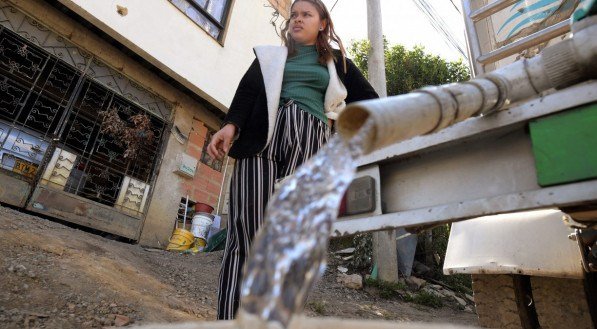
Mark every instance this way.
x=280 y=116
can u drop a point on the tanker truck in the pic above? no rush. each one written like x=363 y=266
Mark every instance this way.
x=509 y=158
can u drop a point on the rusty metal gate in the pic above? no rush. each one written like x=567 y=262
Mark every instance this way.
x=54 y=158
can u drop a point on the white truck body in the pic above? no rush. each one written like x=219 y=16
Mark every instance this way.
x=532 y=265
x=484 y=165
x=530 y=243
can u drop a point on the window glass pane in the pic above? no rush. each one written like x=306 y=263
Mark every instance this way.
x=216 y=8
x=196 y=16
x=201 y=3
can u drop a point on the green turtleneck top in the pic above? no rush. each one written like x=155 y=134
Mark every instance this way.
x=305 y=81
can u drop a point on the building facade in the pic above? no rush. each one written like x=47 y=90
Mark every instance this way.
x=106 y=107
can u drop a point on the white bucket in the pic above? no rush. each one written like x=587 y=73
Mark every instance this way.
x=201 y=223
x=215 y=226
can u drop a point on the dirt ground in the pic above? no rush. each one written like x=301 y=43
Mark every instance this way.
x=56 y=276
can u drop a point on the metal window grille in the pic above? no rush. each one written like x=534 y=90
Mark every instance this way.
x=100 y=167
x=50 y=95
x=35 y=90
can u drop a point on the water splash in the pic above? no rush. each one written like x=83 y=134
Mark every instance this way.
x=289 y=252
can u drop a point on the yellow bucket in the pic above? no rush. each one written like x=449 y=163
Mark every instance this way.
x=181 y=240
x=198 y=245
x=200 y=242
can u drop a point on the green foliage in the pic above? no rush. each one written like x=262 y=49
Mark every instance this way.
x=340 y=243
x=363 y=251
x=387 y=289
x=457 y=282
x=317 y=307
x=440 y=235
x=407 y=70
x=461 y=283
x=359 y=53
x=427 y=299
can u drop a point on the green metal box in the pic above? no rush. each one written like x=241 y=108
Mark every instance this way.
x=565 y=146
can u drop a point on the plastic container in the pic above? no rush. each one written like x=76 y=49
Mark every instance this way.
x=216 y=242
x=202 y=207
x=181 y=240
x=215 y=227
x=200 y=243
x=200 y=227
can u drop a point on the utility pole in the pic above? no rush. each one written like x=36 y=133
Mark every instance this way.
x=376 y=62
x=384 y=242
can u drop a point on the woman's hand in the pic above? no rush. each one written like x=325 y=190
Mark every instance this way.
x=220 y=142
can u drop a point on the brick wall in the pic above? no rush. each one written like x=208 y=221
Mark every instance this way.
x=205 y=186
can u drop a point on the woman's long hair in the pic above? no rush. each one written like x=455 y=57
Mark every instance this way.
x=324 y=38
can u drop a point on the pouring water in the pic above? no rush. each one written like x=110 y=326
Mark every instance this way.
x=289 y=252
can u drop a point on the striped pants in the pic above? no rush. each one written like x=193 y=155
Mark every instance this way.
x=297 y=136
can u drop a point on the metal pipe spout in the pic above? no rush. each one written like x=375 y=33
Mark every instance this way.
x=431 y=109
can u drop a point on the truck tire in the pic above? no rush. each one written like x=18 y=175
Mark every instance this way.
x=495 y=301
x=561 y=303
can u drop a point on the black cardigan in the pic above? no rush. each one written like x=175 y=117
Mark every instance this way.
x=248 y=110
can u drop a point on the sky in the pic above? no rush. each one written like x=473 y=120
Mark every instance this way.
x=402 y=22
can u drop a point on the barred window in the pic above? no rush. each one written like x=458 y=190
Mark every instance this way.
x=210 y=15
x=214 y=164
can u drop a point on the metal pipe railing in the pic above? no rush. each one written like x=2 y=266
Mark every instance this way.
x=472 y=39
x=491 y=9
x=478 y=60
x=534 y=39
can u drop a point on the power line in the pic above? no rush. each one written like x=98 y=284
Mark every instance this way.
x=456 y=7
x=335 y=3
x=443 y=28
x=439 y=25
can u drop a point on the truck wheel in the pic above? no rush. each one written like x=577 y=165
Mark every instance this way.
x=495 y=301
x=561 y=303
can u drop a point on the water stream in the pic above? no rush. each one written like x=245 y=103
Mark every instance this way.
x=289 y=252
